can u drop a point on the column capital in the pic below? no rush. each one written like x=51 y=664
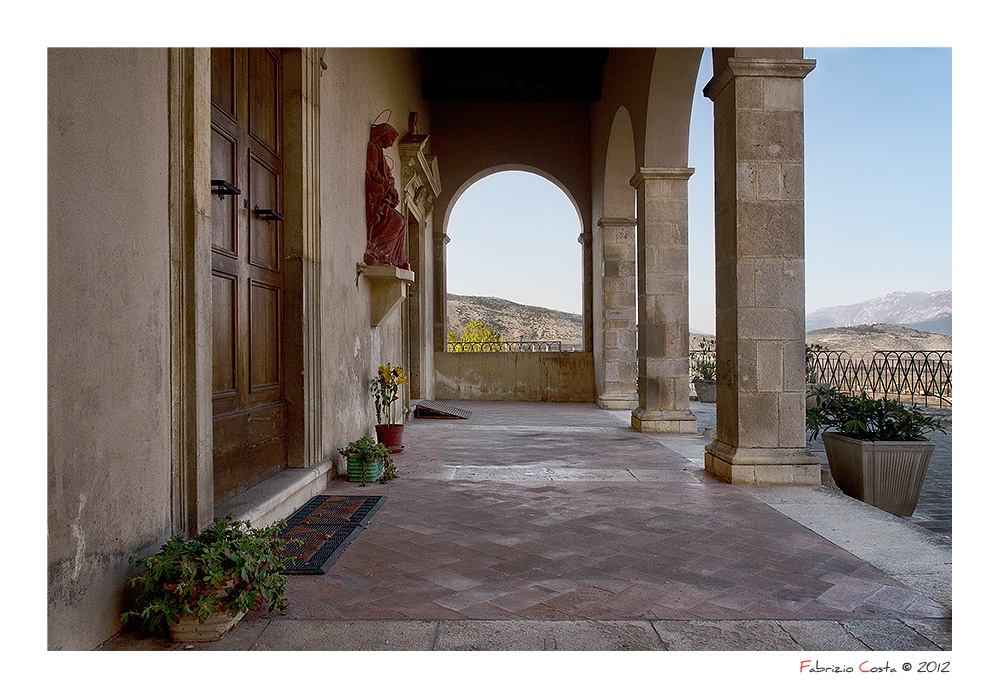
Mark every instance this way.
x=661 y=173
x=440 y=237
x=585 y=238
x=758 y=68
x=611 y=221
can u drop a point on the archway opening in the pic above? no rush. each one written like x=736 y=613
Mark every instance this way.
x=514 y=260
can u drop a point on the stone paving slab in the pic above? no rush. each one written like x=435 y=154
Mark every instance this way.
x=547 y=635
x=286 y=634
x=519 y=635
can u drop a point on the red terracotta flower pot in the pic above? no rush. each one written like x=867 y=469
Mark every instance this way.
x=391 y=436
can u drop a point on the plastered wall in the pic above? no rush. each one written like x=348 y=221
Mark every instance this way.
x=356 y=87
x=108 y=330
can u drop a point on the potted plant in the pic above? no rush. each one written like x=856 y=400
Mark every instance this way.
x=703 y=372
x=877 y=449
x=368 y=461
x=197 y=589
x=385 y=391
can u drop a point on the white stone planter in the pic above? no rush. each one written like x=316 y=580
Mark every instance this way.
x=705 y=391
x=888 y=475
x=192 y=629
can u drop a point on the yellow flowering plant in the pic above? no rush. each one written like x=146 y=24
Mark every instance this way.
x=385 y=390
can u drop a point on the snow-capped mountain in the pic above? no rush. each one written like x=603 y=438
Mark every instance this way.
x=920 y=310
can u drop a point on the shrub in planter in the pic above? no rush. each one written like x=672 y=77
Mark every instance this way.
x=197 y=589
x=877 y=449
x=703 y=372
x=368 y=460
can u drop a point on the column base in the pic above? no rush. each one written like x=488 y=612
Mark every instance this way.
x=676 y=421
x=762 y=465
x=612 y=401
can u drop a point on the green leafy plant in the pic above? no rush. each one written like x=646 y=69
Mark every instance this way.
x=864 y=418
x=369 y=452
x=703 y=362
x=186 y=576
x=812 y=361
x=385 y=390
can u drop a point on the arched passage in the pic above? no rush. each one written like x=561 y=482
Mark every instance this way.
x=661 y=245
x=513 y=232
x=614 y=274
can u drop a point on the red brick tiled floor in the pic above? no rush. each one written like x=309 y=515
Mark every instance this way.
x=555 y=511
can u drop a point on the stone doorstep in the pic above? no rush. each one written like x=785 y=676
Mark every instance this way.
x=279 y=496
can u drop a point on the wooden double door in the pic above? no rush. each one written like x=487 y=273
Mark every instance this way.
x=250 y=415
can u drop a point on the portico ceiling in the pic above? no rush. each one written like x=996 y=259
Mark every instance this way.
x=512 y=74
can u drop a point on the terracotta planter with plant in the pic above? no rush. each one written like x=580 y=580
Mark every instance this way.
x=368 y=461
x=385 y=392
x=877 y=449
x=197 y=589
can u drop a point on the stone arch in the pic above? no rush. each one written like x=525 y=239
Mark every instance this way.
x=482 y=174
x=672 y=87
x=619 y=166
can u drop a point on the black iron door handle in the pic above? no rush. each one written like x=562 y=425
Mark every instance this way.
x=267 y=214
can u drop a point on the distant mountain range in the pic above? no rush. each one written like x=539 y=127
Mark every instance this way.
x=919 y=310
x=866 y=338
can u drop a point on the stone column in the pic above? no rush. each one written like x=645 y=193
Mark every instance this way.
x=618 y=390
x=440 y=291
x=760 y=286
x=586 y=240
x=662 y=257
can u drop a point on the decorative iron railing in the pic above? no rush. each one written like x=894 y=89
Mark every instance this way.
x=922 y=378
x=918 y=378
x=505 y=347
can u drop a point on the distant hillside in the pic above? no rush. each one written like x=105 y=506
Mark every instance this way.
x=863 y=338
x=927 y=311
x=516 y=321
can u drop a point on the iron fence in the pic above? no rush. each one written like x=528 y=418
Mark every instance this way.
x=917 y=378
x=505 y=346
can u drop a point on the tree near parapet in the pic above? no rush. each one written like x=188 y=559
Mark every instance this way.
x=479 y=332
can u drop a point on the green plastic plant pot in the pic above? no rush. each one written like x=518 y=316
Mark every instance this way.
x=358 y=471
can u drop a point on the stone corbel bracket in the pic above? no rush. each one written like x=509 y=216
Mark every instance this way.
x=388 y=289
x=421 y=181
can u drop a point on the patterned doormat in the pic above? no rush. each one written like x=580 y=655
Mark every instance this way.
x=325 y=525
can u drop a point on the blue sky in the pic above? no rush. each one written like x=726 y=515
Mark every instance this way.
x=878 y=195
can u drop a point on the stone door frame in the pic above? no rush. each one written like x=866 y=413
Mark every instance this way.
x=189 y=97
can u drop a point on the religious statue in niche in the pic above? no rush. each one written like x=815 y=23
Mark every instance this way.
x=386 y=226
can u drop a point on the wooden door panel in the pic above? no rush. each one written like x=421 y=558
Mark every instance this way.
x=224 y=209
x=250 y=422
x=224 y=398
x=265 y=241
x=265 y=305
x=223 y=83
x=264 y=91
x=248 y=452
